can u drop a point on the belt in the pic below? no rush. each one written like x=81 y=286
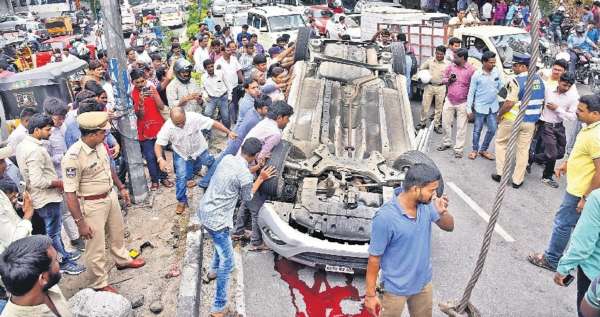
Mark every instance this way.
x=554 y=125
x=436 y=84
x=95 y=197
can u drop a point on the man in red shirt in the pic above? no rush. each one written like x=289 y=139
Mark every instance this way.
x=147 y=105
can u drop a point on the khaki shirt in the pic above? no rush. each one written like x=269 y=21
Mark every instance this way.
x=62 y=307
x=38 y=172
x=86 y=171
x=436 y=69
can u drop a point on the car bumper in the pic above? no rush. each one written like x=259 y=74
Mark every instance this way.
x=302 y=248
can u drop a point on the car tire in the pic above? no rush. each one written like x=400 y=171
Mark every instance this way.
x=302 y=53
x=398 y=58
x=274 y=186
x=407 y=159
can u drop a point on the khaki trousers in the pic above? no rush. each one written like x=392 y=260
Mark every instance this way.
x=105 y=218
x=461 y=124
x=524 y=137
x=419 y=305
x=429 y=92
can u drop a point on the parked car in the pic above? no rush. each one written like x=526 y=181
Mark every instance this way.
x=234 y=10
x=342 y=154
x=170 y=16
x=321 y=14
x=218 y=7
x=12 y=23
x=270 y=22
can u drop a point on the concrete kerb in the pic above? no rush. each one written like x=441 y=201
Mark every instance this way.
x=188 y=299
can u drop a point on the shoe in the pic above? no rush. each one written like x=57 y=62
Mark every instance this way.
x=496 y=177
x=528 y=168
x=79 y=244
x=74 y=256
x=180 y=208
x=133 y=264
x=421 y=126
x=167 y=183
x=443 y=147
x=71 y=268
x=458 y=154
x=550 y=182
x=107 y=288
x=241 y=236
x=516 y=186
x=154 y=187
x=438 y=129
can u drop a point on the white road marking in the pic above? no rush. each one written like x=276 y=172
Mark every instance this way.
x=240 y=304
x=499 y=230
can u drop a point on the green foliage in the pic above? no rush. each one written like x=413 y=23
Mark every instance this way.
x=193 y=16
x=192 y=30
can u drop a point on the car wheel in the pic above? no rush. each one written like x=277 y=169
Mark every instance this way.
x=407 y=159
x=302 y=52
x=398 y=58
x=274 y=186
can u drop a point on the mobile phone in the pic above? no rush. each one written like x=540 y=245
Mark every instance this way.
x=568 y=280
x=146 y=91
x=452 y=75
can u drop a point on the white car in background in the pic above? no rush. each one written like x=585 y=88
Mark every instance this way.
x=170 y=16
x=271 y=22
x=234 y=11
x=217 y=7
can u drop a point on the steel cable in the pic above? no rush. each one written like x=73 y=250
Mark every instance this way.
x=464 y=306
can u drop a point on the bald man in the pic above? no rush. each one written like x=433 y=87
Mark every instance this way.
x=190 y=149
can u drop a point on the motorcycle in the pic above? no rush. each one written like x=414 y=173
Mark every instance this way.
x=594 y=75
x=582 y=66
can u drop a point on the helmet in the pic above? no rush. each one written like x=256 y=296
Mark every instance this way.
x=579 y=28
x=425 y=76
x=182 y=65
x=561 y=9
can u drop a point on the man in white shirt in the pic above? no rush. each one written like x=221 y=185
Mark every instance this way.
x=230 y=66
x=201 y=53
x=336 y=27
x=216 y=92
x=20 y=132
x=486 y=11
x=561 y=104
x=190 y=149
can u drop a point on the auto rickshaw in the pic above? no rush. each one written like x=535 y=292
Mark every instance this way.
x=30 y=88
x=61 y=25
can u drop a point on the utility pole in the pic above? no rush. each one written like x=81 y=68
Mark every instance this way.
x=127 y=121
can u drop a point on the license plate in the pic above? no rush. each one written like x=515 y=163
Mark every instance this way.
x=339 y=269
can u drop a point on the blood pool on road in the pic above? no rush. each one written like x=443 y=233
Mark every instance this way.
x=321 y=299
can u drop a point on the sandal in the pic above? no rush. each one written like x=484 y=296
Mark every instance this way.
x=487 y=155
x=209 y=277
x=154 y=187
x=191 y=184
x=472 y=155
x=539 y=260
x=167 y=183
x=443 y=147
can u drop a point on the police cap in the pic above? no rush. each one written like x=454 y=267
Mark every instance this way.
x=520 y=58
x=94 y=120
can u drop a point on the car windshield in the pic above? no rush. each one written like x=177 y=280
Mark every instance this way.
x=168 y=10
x=509 y=44
x=286 y=22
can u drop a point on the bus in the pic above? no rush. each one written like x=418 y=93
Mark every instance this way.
x=44 y=8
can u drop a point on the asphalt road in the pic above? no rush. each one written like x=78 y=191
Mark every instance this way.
x=509 y=285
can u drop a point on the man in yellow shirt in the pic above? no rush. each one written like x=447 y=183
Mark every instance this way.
x=582 y=169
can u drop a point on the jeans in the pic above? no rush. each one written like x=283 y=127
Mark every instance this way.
x=251 y=209
x=490 y=120
x=564 y=223
x=556 y=32
x=223 y=104
x=222 y=264
x=185 y=170
x=53 y=221
x=156 y=174
x=572 y=62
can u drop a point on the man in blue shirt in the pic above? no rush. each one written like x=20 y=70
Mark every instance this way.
x=579 y=43
x=210 y=22
x=482 y=103
x=401 y=245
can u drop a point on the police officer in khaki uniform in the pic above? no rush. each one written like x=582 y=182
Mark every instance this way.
x=88 y=184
